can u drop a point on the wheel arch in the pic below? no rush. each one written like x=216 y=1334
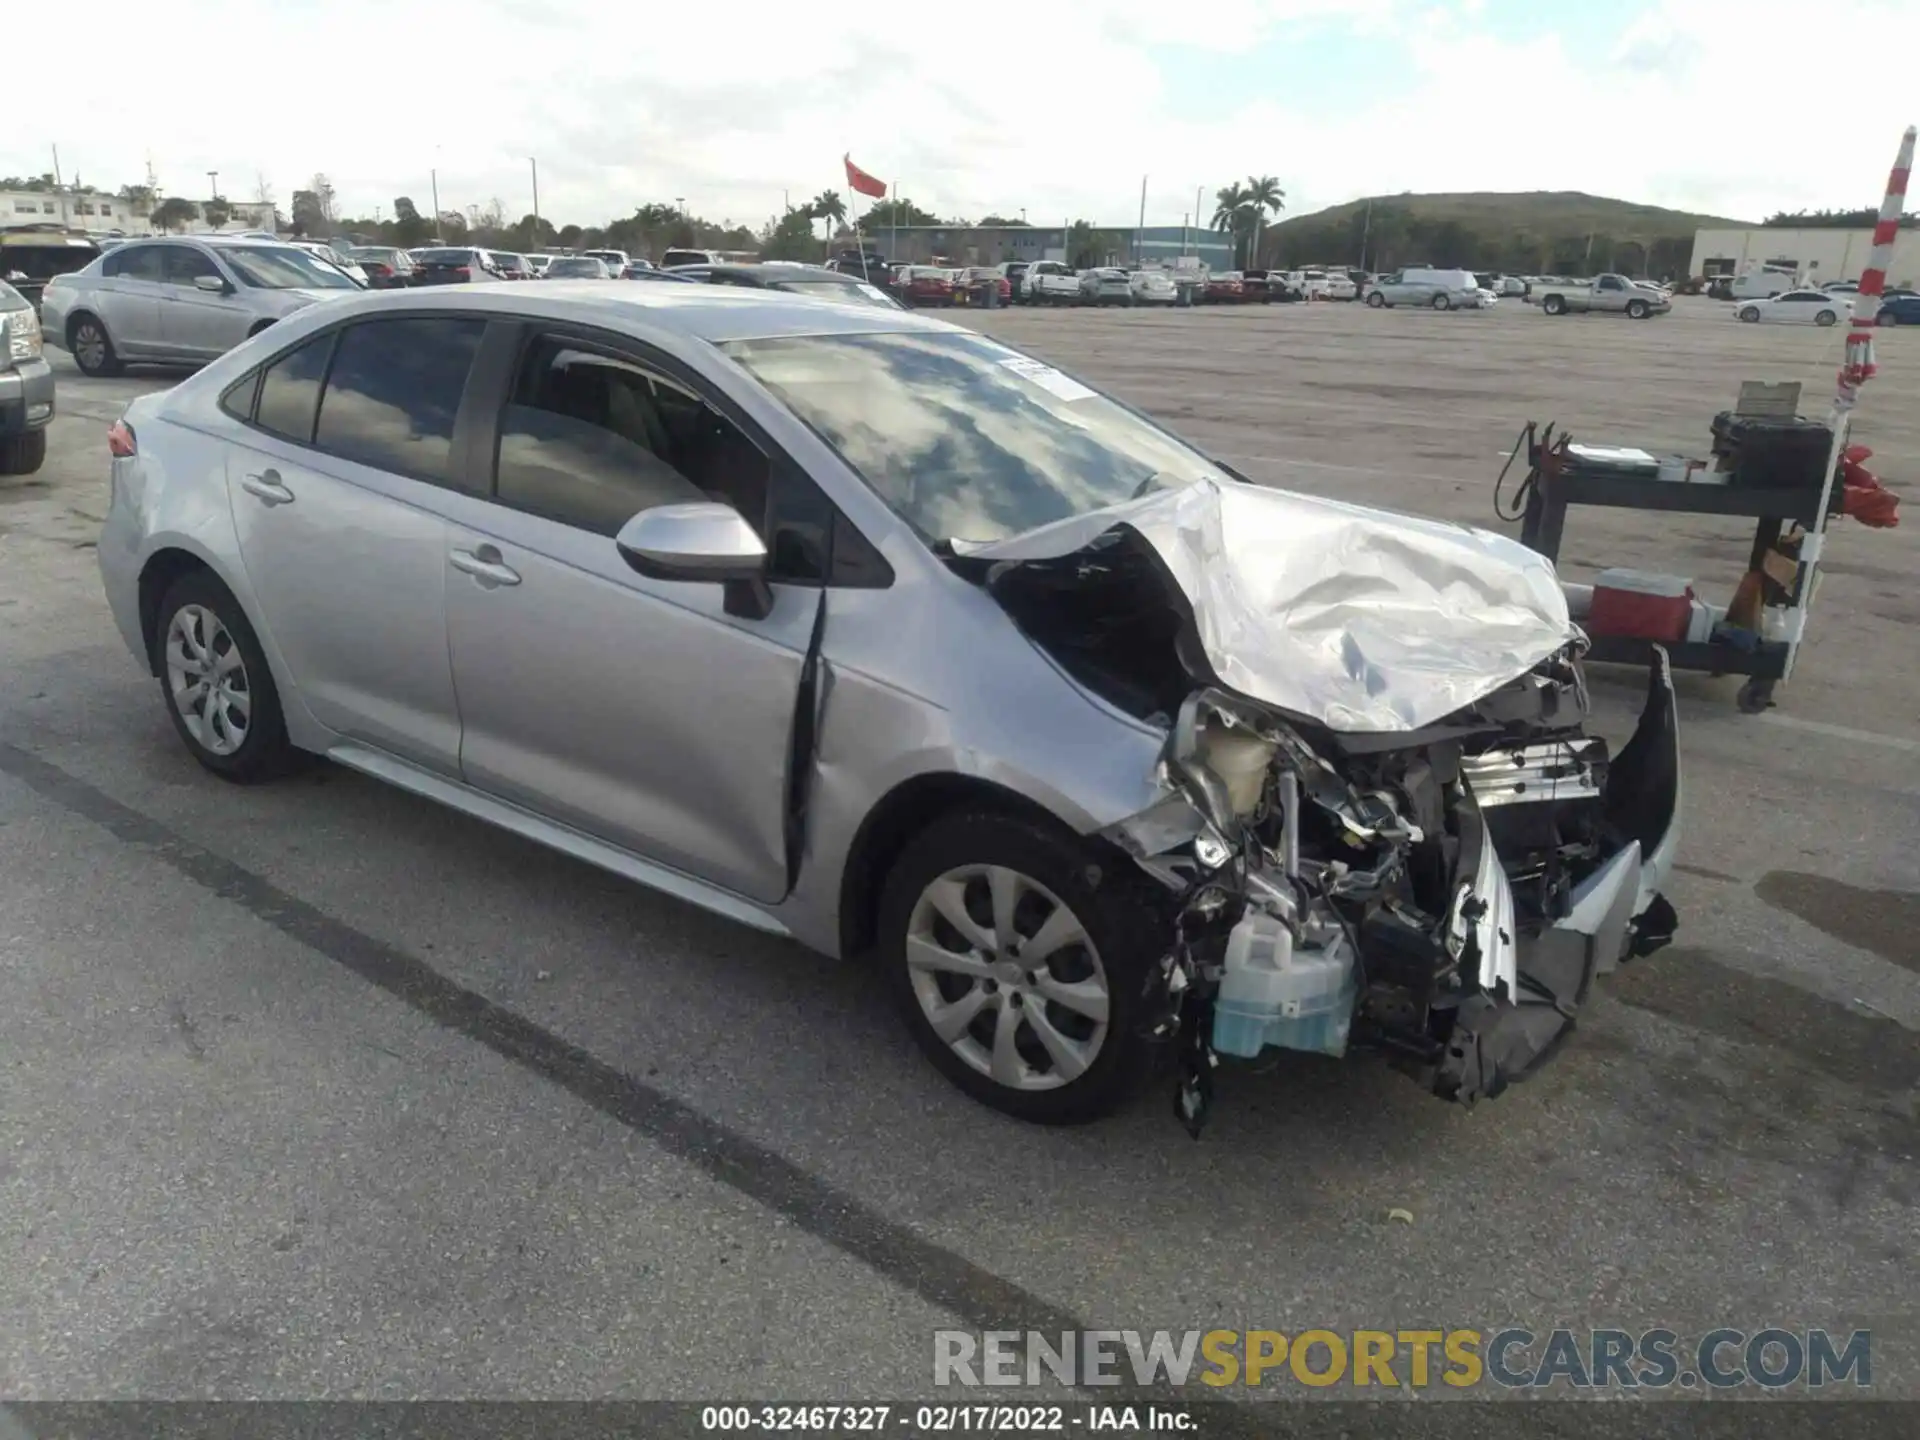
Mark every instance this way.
x=900 y=814
x=85 y=312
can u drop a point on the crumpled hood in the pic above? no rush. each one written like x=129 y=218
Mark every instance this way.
x=1359 y=619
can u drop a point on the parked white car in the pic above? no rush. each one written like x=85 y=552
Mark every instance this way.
x=1797 y=307
x=332 y=257
x=1316 y=283
x=1153 y=287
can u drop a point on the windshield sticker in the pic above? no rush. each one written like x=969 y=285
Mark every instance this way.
x=1048 y=378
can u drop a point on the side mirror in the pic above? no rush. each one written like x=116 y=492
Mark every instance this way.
x=212 y=284
x=705 y=541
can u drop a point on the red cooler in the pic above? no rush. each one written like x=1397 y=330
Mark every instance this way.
x=1641 y=605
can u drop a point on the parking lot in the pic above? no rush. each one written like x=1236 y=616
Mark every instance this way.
x=317 y=1089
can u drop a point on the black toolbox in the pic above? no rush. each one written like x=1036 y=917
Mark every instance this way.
x=1771 y=452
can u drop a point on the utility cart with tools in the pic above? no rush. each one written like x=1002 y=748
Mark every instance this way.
x=1767 y=464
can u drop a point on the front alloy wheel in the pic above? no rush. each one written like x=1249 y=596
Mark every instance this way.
x=1008 y=977
x=1018 y=956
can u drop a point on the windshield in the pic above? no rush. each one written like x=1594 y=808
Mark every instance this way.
x=965 y=439
x=281 y=267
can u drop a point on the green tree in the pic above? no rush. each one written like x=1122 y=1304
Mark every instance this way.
x=216 y=212
x=1235 y=215
x=139 y=198
x=790 y=237
x=173 y=213
x=569 y=237
x=1002 y=222
x=887 y=213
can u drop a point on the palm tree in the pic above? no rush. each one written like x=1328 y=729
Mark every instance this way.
x=1263 y=193
x=1234 y=214
x=828 y=206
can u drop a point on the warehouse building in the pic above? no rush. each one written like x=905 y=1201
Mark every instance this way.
x=1816 y=256
x=997 y=244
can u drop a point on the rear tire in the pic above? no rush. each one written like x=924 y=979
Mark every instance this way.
x=1441 y=302
x=215 y=682
x=92 y=350
x=23 y=454
x=1053 y=1040
x=1886 y=317
x=1554 y=305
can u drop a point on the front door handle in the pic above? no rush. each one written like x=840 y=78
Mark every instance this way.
x=267 y=486
x=483 y=562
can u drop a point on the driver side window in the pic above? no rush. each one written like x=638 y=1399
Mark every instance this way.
x=589 y=438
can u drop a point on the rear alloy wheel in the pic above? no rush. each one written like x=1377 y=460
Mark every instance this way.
x=1886 y=317
x=1824 y=318
x=92 y=351
x=23 y=454
x=1441 y=302
x=1554 y=305
x=220 y=693
x=1018 y=962
x=1751 y=315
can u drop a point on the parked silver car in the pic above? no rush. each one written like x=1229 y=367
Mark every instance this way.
x=185 y=300
x=867 y=630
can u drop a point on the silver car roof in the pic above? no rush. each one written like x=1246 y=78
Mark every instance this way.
x=699 y=312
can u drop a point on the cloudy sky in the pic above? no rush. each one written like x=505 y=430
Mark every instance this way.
x=1732 y=107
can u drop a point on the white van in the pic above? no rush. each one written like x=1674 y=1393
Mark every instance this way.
x=1762 y=284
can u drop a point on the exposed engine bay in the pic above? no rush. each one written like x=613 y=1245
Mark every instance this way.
x=1444 y=893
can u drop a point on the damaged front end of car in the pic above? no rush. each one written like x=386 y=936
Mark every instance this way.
x=1444 y=889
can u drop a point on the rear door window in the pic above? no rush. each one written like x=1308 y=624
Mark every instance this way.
x=290 y=391
x=137 y=262
x=394 y=392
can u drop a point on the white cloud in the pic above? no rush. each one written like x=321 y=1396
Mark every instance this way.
x=1731 y=106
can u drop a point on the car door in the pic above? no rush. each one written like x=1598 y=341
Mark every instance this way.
x=128 y=299
x=337 y=490
x=195 y=323
x=640 y=711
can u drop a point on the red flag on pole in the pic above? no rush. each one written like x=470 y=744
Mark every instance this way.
x=861 y=183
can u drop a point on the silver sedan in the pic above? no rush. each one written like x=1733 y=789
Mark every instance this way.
x=182 y=300
x=863 y=629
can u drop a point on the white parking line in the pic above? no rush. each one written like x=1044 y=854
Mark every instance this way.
x=1843 y=732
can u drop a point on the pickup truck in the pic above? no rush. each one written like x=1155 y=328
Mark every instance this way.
x=1608 y=294
x=1050 y=283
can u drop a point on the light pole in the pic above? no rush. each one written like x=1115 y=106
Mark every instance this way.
x=534 y=166
x=213 y=184
x=433 y=179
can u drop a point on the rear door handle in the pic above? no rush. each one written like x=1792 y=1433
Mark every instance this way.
x=483 y=562
x=266 y=485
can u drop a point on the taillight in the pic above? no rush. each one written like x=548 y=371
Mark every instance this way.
x=120 y=441
x=462 y=270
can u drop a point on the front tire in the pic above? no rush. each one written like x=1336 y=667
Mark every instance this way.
x=1637 y=310
x=1751 y=315
x=214 y=678
x=1824 y=319
x=91 y=349
x=1377 y=300
x=1018 y=960
x=23 y=454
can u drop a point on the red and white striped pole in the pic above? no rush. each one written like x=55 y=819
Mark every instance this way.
x=1856 y=368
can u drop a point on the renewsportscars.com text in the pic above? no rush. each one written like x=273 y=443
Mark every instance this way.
x=1512 y=1358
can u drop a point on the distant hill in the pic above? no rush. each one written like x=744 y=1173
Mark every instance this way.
x=1523 y=231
